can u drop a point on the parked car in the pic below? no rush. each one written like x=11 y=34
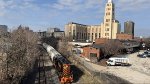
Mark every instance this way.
x=143 y=55
x=148 y=55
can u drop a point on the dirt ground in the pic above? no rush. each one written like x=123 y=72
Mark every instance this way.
x=140 y=64
x=138 y=72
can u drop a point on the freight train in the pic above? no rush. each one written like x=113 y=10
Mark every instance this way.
x=61 y=64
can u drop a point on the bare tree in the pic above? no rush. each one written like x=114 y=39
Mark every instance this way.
x=21 y=54
x=63 y=46
x=112 y=47
x=147 y=42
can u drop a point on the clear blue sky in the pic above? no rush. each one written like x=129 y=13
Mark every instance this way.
x=41 y=14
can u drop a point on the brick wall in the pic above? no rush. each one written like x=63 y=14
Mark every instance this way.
x=88 y=50
x=124 y=36
x=101 y=41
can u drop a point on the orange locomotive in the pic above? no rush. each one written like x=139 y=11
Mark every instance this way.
x=62 y=65
x=64 y=70
x=66 y=76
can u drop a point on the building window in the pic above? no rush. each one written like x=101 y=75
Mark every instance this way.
x=82 y=35
x=106 y=24
x=99 y=35
x=88 y=36
x=96 y=29
x=93 y=54
x=107 y=20
x=95 y=35
x=74 y=27
x=106 y=34
x=92 y=36
x=108 y=13
x=107 y=29
x=77 y=35
x=69 y=33
x=113 y=9
x=109 y=9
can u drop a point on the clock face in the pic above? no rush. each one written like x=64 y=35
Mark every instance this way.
x=109 y=1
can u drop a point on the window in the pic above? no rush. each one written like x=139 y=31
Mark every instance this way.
x=113 y=9
x=99 y=35
x=74 y=34
x=106 y=34
x=93 y=54
x=92 y=36
x=108 y=13
x=106 y=24
x=77 y=35
x=107 y=29
x=109 y=9
x=88 y=35
x=95 y=35
x=107 y=20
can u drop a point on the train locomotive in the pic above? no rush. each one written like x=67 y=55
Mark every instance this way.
x=62 y=65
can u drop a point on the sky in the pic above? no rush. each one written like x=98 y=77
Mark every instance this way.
x=43 y=14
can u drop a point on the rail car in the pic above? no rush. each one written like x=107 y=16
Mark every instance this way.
x=62 y=65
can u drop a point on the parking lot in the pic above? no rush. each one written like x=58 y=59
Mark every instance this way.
x=138 y=72
x=140 y=64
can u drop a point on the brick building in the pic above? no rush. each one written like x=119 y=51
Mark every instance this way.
x=124 y=36
x=101 y=41
x=93 y=53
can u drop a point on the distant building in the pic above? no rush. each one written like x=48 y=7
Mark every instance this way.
x=129 y=27
x=108 y=29
x=51 y=30
x=23 y=27
x=76 y=31
x=3 y=30
x=41 y=34
x=95 y=51
x=59 y=34
x=123 y=36
x=101 y=41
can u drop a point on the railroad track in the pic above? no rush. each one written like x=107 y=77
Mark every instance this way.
x=46 y=72
x=41 y=69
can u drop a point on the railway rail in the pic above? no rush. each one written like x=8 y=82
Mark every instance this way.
x=46 y=72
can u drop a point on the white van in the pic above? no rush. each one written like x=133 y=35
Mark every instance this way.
x=118 y=61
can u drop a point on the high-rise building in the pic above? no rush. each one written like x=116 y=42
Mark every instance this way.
x=129 y=27
x=110 y=26
x=108 y=29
